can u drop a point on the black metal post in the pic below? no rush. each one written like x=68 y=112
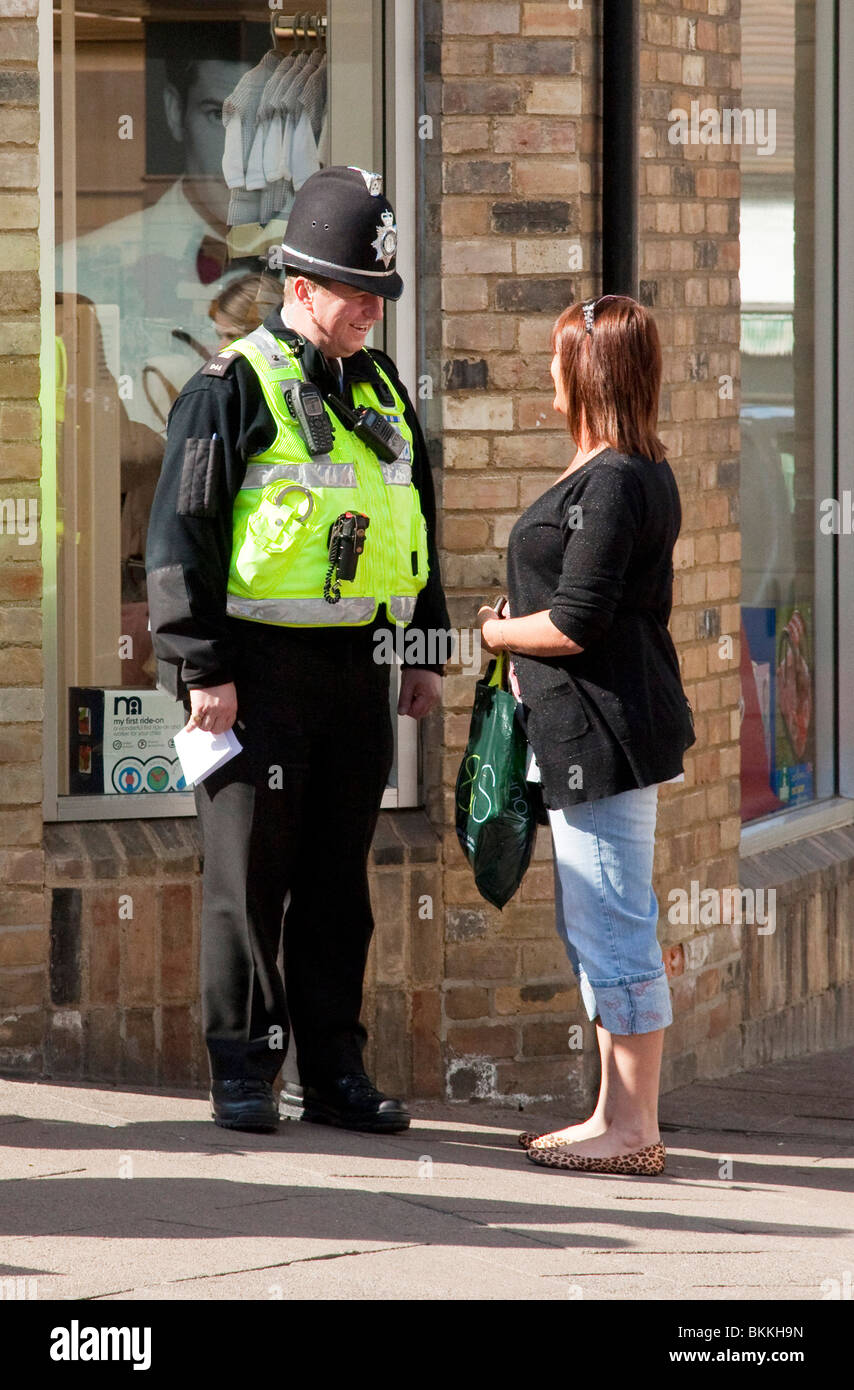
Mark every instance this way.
x=620 y=119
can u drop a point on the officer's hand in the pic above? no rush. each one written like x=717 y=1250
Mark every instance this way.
x=214 y=708
x=420 y=691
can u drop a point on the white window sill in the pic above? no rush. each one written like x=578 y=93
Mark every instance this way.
x=781 y=829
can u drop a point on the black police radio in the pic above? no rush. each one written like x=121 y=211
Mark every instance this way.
x=305 y=404
x=372 y=428
x=383 y=437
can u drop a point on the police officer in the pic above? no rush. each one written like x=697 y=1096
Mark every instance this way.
x=293 y=524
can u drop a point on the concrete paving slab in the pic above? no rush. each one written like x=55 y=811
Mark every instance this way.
x=113 y=1194
x=109 y=1266
x=798 y=1075
x=424 y=1272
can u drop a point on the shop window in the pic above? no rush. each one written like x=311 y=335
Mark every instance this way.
x=181 y=134
x=787 y=659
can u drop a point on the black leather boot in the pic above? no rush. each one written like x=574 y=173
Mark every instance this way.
x=244 y=1103
x=352 y=1102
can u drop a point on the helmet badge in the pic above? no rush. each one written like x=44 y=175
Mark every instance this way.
x=373 y=182
x=385 y=243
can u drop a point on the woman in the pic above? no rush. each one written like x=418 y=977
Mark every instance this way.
x=590 y=580
x=243 y=305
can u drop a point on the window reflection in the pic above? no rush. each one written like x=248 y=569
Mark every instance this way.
x=778 y=666
x=160 y=261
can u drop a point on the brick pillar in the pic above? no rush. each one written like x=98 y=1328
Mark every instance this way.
x=689 y=258
x=511 y=236
x=509 y=222
x=23 y=930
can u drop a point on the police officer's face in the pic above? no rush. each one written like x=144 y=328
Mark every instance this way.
x=343 y=317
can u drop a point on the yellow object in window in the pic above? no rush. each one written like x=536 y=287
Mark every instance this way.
x=61 y=379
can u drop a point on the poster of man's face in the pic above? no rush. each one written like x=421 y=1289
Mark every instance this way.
x=190 y=70
x=155 y=270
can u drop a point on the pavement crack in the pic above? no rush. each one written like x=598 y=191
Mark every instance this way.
x=781 y=1135
x=261 y=1202
x=190 y=1225
x=61 y=1173
x=472 y=1220
x=396 y=1177
x=302 y=1260
x=775 y=1094
x=840 y=1119
x=642 y=1197
x=643 y=1253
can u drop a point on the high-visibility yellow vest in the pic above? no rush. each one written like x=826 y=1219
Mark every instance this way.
x=289 y=500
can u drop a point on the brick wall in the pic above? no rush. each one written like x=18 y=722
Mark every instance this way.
x=402 y=1003
x=124 y=906
x=124 y=922
x=510 y=220
x=24 y=936
x=511 y=211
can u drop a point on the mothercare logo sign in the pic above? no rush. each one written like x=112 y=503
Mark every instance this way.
x=122 y=742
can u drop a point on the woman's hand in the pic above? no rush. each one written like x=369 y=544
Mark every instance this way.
x=488 y=619
x=533 y=635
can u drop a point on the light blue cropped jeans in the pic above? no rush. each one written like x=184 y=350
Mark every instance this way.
x=607 y=912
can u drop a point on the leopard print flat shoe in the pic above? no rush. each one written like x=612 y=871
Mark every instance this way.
x=526 y=1138
x=648 y=1162
x=529 y=1140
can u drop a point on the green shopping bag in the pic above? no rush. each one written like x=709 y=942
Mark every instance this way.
x=495 y=817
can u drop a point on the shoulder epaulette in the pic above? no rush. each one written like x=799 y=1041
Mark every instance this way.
x=219 y=365
x=381 y=359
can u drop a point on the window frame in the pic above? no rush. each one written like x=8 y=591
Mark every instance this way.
x=833 y=367
x=391 y=46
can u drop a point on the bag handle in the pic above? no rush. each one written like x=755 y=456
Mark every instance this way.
x=496 y=673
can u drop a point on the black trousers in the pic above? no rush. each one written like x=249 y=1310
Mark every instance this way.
x=294 y=813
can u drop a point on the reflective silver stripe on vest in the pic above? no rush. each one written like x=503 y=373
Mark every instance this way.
x=397 y=474
x=268 y=346
x=305 y=612
x=402 y=608
x=313 y=474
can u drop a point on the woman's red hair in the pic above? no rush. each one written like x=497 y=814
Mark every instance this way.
x=613 y=375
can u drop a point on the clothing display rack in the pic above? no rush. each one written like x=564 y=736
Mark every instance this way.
x=277 y=123
x=303 y=26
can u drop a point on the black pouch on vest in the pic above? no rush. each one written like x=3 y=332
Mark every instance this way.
x=197 y=491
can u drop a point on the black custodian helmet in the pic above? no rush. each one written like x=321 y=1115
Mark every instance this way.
x=341 y=227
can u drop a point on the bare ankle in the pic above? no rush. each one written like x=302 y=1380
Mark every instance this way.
x=638 y=1136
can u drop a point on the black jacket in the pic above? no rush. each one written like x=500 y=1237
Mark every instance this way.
x=189 y=545
x=596 y=550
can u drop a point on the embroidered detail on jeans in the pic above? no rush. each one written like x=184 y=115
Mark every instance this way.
x=635 y=1008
